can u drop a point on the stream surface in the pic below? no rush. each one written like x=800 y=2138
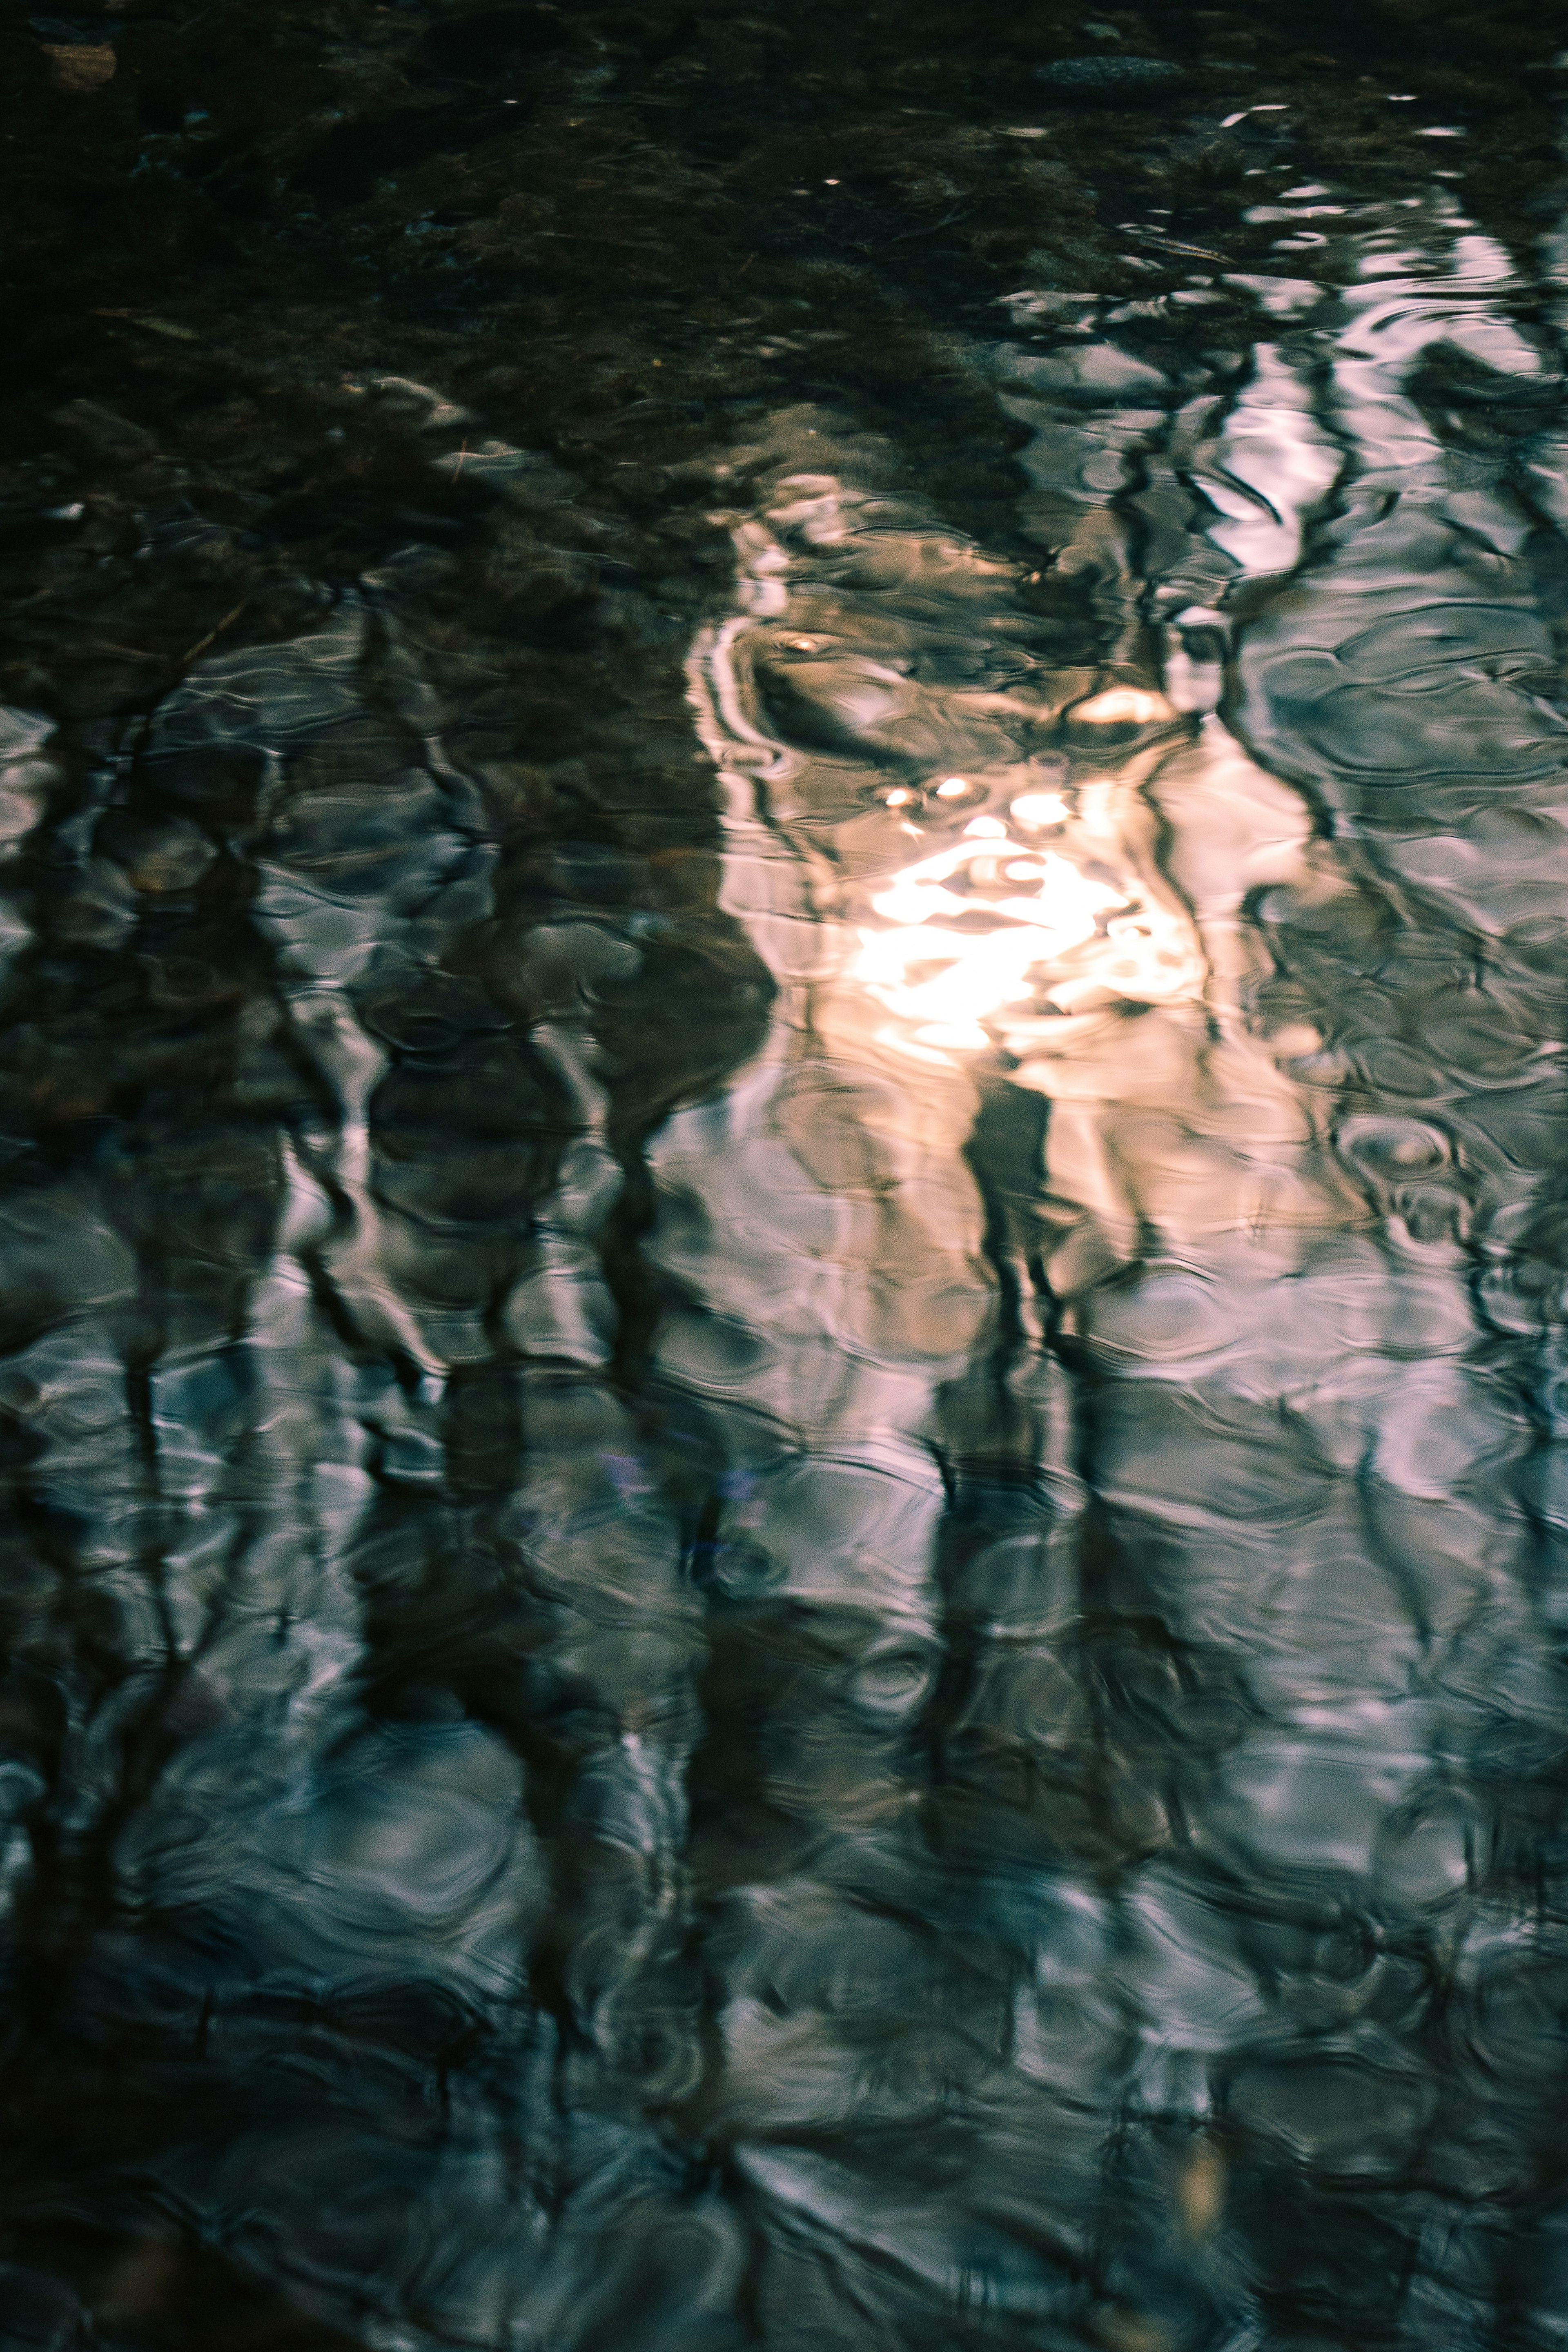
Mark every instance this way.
x=783 y=1088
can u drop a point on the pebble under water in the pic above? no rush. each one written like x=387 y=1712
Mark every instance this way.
x=783 y=846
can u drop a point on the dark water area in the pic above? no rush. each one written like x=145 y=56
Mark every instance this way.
x=784 y=1358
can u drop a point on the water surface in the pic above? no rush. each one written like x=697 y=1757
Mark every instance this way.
x=784 y=831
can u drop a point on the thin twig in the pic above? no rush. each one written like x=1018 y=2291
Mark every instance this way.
x=929 y=228
x=203 y=643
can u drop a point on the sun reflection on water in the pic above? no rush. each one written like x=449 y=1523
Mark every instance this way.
x=993 y=922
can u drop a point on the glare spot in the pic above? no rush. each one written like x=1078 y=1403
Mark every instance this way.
x=1033 y=809
x=948 y=980
x=951 y=788
x=1123 y=705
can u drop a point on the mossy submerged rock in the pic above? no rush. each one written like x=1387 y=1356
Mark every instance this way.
x=1108 y=77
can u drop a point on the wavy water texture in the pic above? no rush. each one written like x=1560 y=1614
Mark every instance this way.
x=1225 y=1606
x=904 y=1689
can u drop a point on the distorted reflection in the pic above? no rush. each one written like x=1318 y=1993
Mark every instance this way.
x=785 y=1362
x=1281 y=1461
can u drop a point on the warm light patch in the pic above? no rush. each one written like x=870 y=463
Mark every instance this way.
x=1036 y=810
x=947 y=980
x=991 y=921
x=1123 y=705
x=952 y=788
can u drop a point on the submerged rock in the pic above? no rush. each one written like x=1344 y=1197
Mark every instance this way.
x=81 y=51
x=1108 y=77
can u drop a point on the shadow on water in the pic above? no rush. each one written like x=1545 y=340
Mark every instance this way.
x=782 y=846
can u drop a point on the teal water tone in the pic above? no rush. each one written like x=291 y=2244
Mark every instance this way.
x=783 y=828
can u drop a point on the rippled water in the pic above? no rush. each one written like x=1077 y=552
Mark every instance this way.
x=784 y=1334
